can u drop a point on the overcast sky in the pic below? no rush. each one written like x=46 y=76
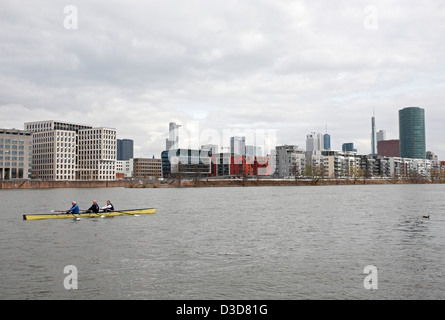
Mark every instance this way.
x=289 y=66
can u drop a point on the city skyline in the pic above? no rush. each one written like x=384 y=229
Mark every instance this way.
x=290 y=66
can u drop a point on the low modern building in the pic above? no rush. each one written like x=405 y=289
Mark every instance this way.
x=15 y=154
x=186 y=163
x=147 y=168
x=124 y=168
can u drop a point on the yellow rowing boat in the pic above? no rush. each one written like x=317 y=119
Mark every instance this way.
x=131 y=212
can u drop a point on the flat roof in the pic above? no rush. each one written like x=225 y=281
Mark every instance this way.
x=15 y=131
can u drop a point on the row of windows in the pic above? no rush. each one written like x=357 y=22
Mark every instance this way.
x=13 y=141
x=38 y=126
x=65 y=133
x=8 y=158
x=12 y=164
x=13 y=147
x=21 y=153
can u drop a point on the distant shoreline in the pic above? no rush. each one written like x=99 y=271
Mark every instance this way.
x=36 y=184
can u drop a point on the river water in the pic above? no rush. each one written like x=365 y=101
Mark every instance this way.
x=237 y=243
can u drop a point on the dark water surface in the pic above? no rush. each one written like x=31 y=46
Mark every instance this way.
x=228 y=243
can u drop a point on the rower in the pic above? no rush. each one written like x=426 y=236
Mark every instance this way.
x=74 y=209
x=94 y=208
x=109 y=207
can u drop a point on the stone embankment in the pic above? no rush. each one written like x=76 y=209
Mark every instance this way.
x=37 y=184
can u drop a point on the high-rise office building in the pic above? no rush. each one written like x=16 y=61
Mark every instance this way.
x=381 y=136
x=172 y=142
x=327 y=141
x=314 y=142
x=412 y=133
x=348 y=147
x=238 y=146
x=125 y=149
x=373 y=136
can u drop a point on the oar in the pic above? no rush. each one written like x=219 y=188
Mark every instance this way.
x=130 y=214
x=60 y=211
x=100 y=215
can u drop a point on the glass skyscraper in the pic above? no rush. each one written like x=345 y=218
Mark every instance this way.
x=412 y=133
x=124 y=149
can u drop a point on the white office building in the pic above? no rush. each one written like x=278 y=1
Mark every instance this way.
x=15 y=154
x=97 y=154
x=65 y=151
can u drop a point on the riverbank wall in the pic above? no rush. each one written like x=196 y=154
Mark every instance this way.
x=36 y=184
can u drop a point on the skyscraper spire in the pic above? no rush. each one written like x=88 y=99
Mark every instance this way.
x=373 y=134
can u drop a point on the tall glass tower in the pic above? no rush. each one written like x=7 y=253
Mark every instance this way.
x=412 y=133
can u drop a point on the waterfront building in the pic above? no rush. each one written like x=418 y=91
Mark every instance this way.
x=66 y=151
x=186 y=163
x=147 y=168
x=412 y=133
x=15 y=154
x=262 y=166
x=124 y=168
x=290 y=161
x=241 y=165
x=125 y=149
x=96 y=155
x=337 y=164
x=54 y=149
x=220 y=164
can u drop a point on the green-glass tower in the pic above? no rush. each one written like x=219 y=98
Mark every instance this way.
x=412 y=133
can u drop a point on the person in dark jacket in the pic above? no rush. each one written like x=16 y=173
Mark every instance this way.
x=94 y=208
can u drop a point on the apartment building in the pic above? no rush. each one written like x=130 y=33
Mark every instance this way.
x=290 y=161
x=15 y=154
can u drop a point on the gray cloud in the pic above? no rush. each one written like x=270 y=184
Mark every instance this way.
x=294 y=66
